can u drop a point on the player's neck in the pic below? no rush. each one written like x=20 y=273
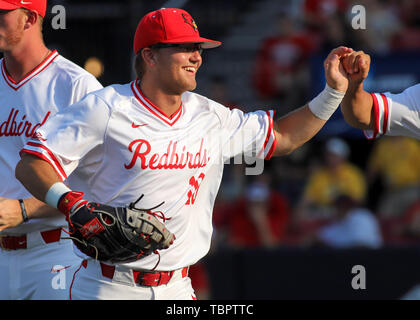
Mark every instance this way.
x=24 y=58
x=167 y=103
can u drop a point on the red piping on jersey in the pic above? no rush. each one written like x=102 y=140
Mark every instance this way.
x=16 y=85
x=376 y=114
x=55 y=163
x=41 y=156
x=386 y=112
x=54 y=159
x=269 y=133
x=84 y=264
x=154 y=109
x=154 y=106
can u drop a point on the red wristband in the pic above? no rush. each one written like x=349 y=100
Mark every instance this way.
x=69 y=200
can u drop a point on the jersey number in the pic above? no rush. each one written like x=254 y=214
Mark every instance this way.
x=195 y=185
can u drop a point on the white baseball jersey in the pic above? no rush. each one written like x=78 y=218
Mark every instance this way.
x=26 y=105
x=117 y=146
x=396 y=114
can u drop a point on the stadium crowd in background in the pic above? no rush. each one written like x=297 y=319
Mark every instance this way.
x=385 y=181
x=345 y=199
x=304 y=199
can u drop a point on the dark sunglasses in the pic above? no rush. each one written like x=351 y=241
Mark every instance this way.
x=184 y=47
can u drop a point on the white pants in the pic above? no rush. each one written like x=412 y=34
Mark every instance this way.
x=90 y=284
x=40 y=272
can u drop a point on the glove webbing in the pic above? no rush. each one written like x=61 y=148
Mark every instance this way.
x=132 y=206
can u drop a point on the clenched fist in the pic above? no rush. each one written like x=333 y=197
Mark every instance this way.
x=356 y=65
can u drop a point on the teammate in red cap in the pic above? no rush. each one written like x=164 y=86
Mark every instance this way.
x=38 y=6
x=155 y=137
x=35 y=83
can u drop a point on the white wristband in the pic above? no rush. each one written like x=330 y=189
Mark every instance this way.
x=55 y=192
x=325 y=104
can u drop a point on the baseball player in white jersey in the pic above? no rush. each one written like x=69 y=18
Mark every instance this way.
x=155 y=137
x=378 y=113
x=35 y=83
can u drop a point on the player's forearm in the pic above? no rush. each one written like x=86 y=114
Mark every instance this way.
x=296 y=128
x=301 y=125
x=357 y=106
x=36 y=175
x=38 y=209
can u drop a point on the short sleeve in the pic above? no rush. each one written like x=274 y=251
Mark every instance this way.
x=70 y=134
x=251 y=134
x=84 y=85
x=396 y=114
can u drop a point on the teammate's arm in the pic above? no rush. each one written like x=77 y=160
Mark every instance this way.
x=36 y=175
x=11 y=212
x=299 y=126
x=357 y=104
x=36 y=183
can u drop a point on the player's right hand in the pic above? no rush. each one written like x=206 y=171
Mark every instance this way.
x=357 y=66
x=335 y=74
x=10 y=213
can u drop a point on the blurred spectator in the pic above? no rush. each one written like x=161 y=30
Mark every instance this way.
x=231 y=189
x=290 y=172
x=281 y=71
x=258 y=218
x=200 y=280
x=325 y=21
x=353 y=226
x=403 y=229
x=333 y=34
x=336 y=176
x=411 y=222
x=409 y=12
x=317 y=13
x=382 y=25
x=407 y=39
x=396 y=160
x=409 y=36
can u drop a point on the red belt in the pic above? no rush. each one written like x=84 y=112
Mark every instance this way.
x=20 y=242
x=149 y=279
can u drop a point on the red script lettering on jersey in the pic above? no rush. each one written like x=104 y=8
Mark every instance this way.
x=10 y=127
x=171 y=159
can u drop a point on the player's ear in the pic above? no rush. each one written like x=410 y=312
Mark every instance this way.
x=31 y=19
x=149 y=56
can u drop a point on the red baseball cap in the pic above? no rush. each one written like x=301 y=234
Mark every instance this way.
x=169 y=25
x=40 y=6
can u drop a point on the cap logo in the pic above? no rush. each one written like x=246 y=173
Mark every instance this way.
x=190 y=21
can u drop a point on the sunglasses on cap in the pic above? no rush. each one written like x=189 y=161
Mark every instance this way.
x=183 y=47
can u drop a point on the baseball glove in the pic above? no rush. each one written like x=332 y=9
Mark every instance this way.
x=114 y=234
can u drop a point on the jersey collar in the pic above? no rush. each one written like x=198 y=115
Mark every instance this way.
x=16 y=85
x=156 y=111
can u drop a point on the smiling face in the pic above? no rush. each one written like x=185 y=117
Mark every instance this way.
x=176 y=68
